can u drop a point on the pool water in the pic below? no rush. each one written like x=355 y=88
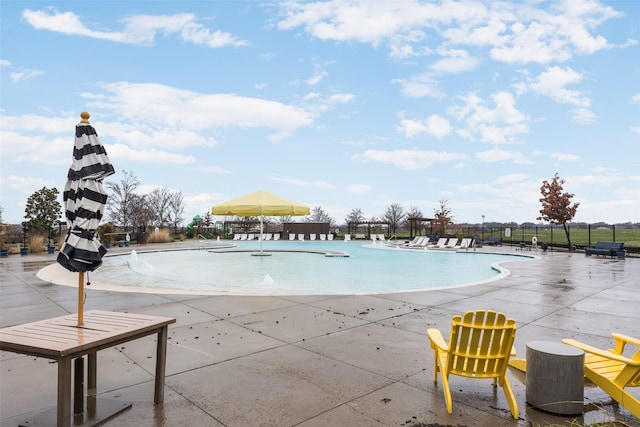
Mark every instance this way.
x=368 y=269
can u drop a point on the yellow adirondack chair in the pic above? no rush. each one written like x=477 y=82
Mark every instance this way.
x=479 y=346
x=613 y=372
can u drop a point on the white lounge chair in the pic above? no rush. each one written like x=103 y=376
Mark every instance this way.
x=374 y=238
x=440 y=245
x=464 y=244
x=243 y=236
x=236 y=236
x=330 y=236
x=381 y=237
x=276 y=236
x=347 y=237
x=292 y=236
x=323 y=237
x=422 y=242
x=451 y=243
x=251 y=236
x=312 y=236
x=301 y=237
x=268 y=236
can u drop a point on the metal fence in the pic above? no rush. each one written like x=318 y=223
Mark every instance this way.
x=554 y=235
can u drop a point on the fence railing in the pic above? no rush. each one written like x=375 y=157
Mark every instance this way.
x=555 y=236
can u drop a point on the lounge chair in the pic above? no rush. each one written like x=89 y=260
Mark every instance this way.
x=381 y=237
x=347 y=237
x=612 y=371
x=236 y=236
x=312 y=236
x=323 y=237
x=276 y=236
x=292 y=236
x=251 y=236
x=373 y=238
x=440 y=245
x=451 y=244
x=480 y=345
x=422 y=242
x=330 y=236
x=464 y=244
x=301 y=237
x=243 y=236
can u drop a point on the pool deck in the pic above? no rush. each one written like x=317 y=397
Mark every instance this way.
x=323 y=360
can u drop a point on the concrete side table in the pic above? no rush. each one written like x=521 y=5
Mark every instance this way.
x=555 y=377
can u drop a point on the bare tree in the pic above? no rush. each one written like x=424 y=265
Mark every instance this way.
x=443 y=216
x=159 y=203
x=177 y=206
x=556 y=205
x=319 y=215
x=354 y=217
x=120 y=201
x=394 y=215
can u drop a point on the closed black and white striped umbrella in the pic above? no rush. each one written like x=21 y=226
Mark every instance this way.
x=85 y=200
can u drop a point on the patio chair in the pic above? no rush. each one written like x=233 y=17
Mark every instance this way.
x=612 y=371
x=442 y=242
x=479 y=346
x=312 y=236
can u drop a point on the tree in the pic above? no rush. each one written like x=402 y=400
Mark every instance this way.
x=43 y=210
x=120 y=202
x=354 y=217
x=443 y=216
x=319 y=215
x=394 y=215
x=556 y=205
x=177 y=206
x=159 y=204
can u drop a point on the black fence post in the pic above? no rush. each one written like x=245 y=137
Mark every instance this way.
x=614 y=232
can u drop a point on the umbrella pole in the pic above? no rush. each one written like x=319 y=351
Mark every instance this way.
x=81 y=299
x=261 y=233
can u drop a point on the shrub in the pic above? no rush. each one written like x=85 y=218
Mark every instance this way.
x=160 y=236
x=37 y=243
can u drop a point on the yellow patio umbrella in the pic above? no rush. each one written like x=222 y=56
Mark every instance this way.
x=260 y=203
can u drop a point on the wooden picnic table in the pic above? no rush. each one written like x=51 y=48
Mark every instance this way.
x=61 y=339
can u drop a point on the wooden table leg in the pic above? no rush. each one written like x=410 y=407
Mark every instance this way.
x=64 y=392
x=161 y=364
x=78 y=385
x=92 y=376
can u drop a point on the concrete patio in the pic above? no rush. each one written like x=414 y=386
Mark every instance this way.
x=323 y=361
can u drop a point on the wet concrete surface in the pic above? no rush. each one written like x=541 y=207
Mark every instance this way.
x=323 y=360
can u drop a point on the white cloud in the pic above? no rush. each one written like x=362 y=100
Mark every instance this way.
x=138 y=29
x=408 y=159
x=435 y=125
x=420 y=86
x=635 y=129
x=583 y=115
x=499 y=155
x=565 y=157
x=183 y=109
x=25 y=74
x=358 y=188
x=635 y=99
x=5 y=63
x=516 y=32
x=500 y=125
x=455 y=61
x=553 y=82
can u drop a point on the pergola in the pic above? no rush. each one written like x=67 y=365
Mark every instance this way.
x=353 y=226
x=416 y=223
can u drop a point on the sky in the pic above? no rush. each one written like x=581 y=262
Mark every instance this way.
x=339 y=104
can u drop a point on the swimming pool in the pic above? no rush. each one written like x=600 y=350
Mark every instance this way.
x=368 y=269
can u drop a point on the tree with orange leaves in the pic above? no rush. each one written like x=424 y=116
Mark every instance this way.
x=556 y=205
